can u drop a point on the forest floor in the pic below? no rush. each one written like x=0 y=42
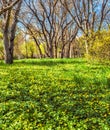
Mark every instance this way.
x=54 y=94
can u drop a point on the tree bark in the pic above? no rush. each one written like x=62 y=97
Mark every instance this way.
x=62 y=51
x=68 y=50
x=9 y=33
x=8 y=56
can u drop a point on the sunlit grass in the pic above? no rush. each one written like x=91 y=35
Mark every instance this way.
x=54 y=94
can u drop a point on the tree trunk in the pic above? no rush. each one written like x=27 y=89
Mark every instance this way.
x=51 y=52
x=68 y=50
x=86 y=47
x=62 y=51
x=56 y=52
x=8 y=57
x=9 y=33
x=8 y=50
x=38 y=46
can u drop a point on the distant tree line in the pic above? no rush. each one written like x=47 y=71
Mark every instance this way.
x=54 y=29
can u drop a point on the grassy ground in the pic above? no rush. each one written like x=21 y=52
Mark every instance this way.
x=54 y=95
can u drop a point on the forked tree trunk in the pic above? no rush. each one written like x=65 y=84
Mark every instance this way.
x=7 y=50
x=9 y=33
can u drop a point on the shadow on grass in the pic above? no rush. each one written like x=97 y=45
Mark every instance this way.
x=49 y=62
x=61 y=104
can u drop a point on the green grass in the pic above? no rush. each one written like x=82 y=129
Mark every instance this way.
x=68 y=94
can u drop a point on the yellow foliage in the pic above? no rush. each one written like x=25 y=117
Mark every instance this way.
x=98 y=44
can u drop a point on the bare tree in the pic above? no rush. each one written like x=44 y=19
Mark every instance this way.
x=89 y=15
x=27 y=19
x=52 y=24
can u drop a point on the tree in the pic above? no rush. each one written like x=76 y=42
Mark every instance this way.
x=101 y=45
x=89 y=15
x=52 y=25
x=10 y=20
